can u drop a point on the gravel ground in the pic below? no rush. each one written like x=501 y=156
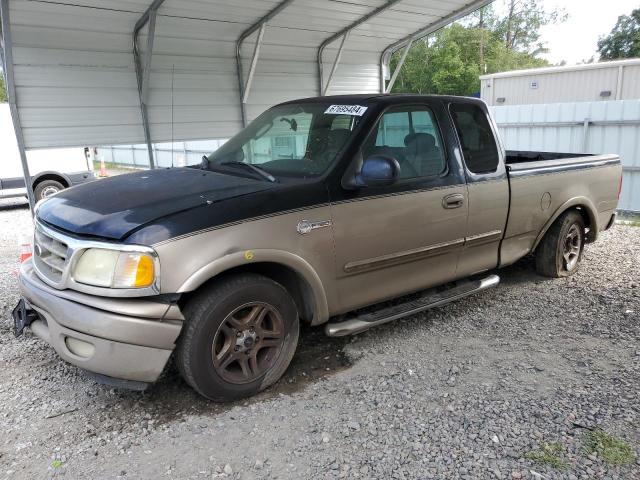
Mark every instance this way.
x=464 y=391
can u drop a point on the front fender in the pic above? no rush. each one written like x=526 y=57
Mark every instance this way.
x=238 y=259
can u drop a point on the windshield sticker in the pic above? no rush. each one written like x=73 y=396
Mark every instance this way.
x=356 y=110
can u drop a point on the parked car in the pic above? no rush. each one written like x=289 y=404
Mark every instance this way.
x=52 y=170
x=320 y=207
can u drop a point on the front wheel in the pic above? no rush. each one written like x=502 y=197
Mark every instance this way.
x=560 y=252
x=239 y=337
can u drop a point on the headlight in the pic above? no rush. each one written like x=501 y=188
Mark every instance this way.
x=113 y=269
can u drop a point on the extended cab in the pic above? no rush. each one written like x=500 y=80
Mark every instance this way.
x=320 y=207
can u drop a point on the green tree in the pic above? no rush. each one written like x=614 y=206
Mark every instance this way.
x=624 y=39
x=3 y=90
x=451 y=61
x=520 y=28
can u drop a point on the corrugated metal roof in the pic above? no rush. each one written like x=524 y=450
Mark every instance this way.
x=75 y=73
x=562 y=69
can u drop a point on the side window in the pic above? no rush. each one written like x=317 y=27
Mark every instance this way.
x=410 y=135
x=476 y=137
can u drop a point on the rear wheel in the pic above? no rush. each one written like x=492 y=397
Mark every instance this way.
x=560 y=252
x=239 y=338
x=46 y=188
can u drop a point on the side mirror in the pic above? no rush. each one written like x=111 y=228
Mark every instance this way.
x=378 y=171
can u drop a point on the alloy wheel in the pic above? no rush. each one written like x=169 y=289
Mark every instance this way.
x=571 y=248
x=248 y=343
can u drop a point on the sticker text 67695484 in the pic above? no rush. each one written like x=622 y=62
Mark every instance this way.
x=357 y=110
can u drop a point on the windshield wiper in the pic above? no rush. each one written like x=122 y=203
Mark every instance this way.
x=253 y=168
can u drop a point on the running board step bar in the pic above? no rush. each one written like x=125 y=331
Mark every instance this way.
x=428 y=300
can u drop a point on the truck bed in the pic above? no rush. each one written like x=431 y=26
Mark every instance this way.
x=531 y=163
x=517 y=156
x=544 y=184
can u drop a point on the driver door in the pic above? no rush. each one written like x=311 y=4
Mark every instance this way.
x=402 y=238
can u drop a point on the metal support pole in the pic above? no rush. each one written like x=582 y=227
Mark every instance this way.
x=260 y=24
x=335 y=63
x=429 y=29
x=11 y=95
x=143 y=74
x=342 y=33
x=585 y=135
x=254 y=63
x=396 y=72
x=146 y=74
x=1 y=48
x=619 y=82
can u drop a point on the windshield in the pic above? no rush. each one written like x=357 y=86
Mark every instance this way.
x=293 y=140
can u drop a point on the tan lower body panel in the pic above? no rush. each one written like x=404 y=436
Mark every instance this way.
x=394 y=245
x=488 y=209
x=537 y=199
x=272 y=239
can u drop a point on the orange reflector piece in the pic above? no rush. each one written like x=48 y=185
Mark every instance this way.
x=134 y=270
x=145 y=272
x=26 y=250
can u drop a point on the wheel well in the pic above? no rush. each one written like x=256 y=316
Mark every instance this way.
x=292 y=281
x=584 y=213
x=51 y=176
x=585 y=218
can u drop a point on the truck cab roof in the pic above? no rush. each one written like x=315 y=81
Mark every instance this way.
x=385 y=99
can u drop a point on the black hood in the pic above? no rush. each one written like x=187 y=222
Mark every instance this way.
x=114 y=207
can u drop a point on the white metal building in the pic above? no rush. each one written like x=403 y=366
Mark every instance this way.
x=605 y=81
x=592 y=108
x=579 y=127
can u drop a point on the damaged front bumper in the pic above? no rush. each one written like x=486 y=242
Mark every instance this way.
x=126 y=339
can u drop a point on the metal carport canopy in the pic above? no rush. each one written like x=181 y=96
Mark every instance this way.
x=76 y=82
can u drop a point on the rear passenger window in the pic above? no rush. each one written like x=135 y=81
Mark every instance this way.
x=410 y=135
x=476 y=138
x=343 y=122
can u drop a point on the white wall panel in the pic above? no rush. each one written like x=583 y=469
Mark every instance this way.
x=579 y=83
x=614 y=127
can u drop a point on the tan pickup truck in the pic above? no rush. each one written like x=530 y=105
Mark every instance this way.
x=320 y=207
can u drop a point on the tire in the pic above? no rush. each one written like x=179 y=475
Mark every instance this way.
x=46 y=188
x=237 y=317
x=560 y=251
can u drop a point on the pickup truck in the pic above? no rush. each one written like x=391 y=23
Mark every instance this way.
x=319 y=208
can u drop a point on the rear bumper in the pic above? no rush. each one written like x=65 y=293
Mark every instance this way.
x=106 y=342
x=612 y=221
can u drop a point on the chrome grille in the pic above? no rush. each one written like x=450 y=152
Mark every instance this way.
x=51 y=256
x=55 y=254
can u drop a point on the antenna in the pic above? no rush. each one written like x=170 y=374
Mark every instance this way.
x=173 y=72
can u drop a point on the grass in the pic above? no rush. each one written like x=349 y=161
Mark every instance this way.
x=630 y=223
x=610 y=449
x=115 y=166
x=549 y=453
x=629 y=219
x=109 y=165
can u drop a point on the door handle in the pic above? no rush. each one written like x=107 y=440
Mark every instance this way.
x=455 y=200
